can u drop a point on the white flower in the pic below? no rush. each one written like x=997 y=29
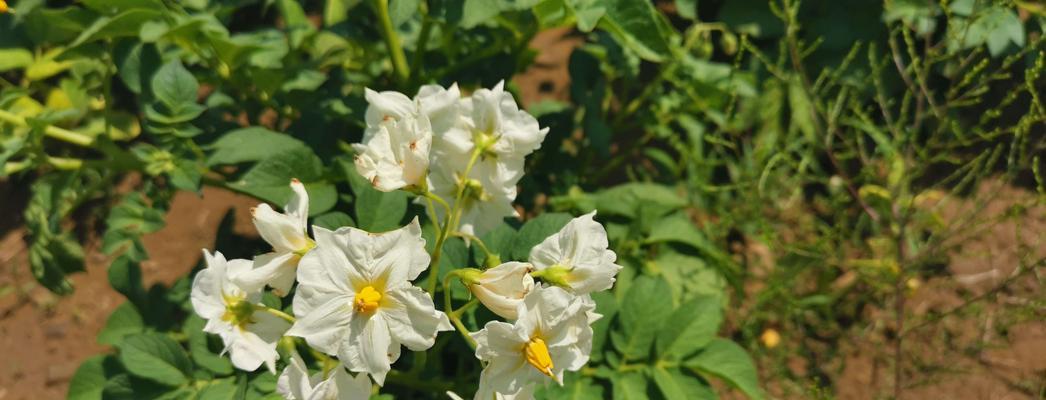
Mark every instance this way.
x=287 y=235
x=441 y=106
x=250 y=336
x=551 y=335
x=503 y=288
x=395 y=148
x=295 y=383
x=355 y=299
x=492 y=124
x=395 y=154
x=577 y=257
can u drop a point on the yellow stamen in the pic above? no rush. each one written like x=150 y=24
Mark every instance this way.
x=238 y=311
x=536 y=353
x=367 y=300
x=3 y=7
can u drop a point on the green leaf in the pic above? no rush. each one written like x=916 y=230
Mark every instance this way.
x=155 y=357
x=186 y=175
x=402 y=11
x=677 y=228
x=573 y=388
x=728 y=361
x=694 y=324
x=378 y=211
x=630 y=386
x=624 y=200
x=606 y=305
x=124 y=321
x=675 y=385
x=644 y=309
x=635 y=24
x=116 y=6
x=270 y=179
x=174 y=85
x=499 y=241
x=535 y=231
x=199 y=347
x=14 y=58
x=89 y=380
x=125 y=24
x=333 y=220
x=250 y=144
x=687 y=9
x=223 y=389
x=136 y=62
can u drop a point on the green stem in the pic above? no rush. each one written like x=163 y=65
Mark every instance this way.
x=273 y=311
x=399 y=60
x=449 y=222
x=454 y=315
x=52 y=131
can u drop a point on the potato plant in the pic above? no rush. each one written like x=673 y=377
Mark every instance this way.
x=424 y=234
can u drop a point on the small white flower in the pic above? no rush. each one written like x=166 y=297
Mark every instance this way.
x=552 y=335
x=250 y=336
x=395 y=154
x=287 y=235
x=295 y=383
x=577 y=257
x=395 y=148
x=492 y=123
x=355 y=298
x=441 y=106
x=502 y=288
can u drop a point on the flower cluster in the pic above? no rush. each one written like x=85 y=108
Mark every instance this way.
x=469 y=149
x=355 y=304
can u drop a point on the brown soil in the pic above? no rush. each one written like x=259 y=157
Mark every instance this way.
x=44 y=337
x=976 y=330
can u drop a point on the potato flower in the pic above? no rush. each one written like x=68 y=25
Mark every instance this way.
x=250 y=335
x=287 y=234
x=502 y=288
x=492 y=124
x=552 y=335
x=395 y=148
x=355 y=299
x=577 y=258
x=295 y=383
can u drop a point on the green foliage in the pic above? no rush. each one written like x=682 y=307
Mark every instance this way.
x=694 y=132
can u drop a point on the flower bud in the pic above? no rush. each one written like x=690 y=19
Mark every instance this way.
x=502 y=288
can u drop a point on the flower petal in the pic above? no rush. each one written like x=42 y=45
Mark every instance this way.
x=369 y=347
x=325 y=326
x=298 y=206
x=274 y=269
x=282 y=231
x=412 y=317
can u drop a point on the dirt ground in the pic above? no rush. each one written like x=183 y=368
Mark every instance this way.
x=45 y=337
x=991 y=349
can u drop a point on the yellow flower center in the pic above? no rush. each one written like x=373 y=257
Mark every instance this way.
x=238 y=312
x=536 y=353
x=367 y=300
x=3 y=7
